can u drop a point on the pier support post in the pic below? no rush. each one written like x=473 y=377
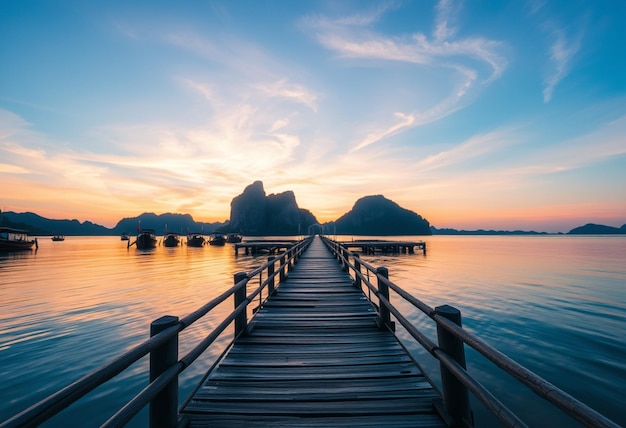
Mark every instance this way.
x=164 y=407
x=282 y=269
x=455 y=394
x=357 y=267
x=383 y=290
x=241 y=322
x=270 y=275
x=342 y=257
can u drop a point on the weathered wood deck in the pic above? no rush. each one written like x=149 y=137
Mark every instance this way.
x=313 y=355
x=385 y=247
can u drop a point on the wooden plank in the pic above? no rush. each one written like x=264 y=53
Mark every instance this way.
x=313 y=355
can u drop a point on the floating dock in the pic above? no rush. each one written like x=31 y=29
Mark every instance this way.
x=263 y=247
x=385 y=247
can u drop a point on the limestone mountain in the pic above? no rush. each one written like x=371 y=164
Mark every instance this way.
x=377 y=215
x=254 y=213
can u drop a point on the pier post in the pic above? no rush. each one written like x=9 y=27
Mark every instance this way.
x=270 y=275
x=164 y=407
x=281 y=266
x=455 y=394
x=383 y=290
x=357 y=267
x=241 y=322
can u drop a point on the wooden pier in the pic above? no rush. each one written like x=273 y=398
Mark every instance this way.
x=314 y=355
x=385 y=247
x=263 y=247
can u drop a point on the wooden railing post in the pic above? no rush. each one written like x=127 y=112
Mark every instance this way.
x=281 y=266
x=383 y=290
x=270 y=275
x=241 y=322
x=164 y=407
x=357 y=269
x=455 y=394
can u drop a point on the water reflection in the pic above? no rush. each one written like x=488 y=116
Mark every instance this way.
x=555 y=304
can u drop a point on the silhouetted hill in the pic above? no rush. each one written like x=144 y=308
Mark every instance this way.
x=597 y=229
x=253 y=213
x=446 y=231
x=180 y=223
x=37 y=225
x=377 y=215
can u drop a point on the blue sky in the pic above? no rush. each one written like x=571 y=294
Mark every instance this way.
x=481 y=114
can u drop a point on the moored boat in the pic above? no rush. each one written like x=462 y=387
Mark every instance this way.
x=15 y=239
x=217 y=239
x=195 y=240
x=57 y=238
x=146 y=239
x=233 y=238
x=124 y=236
x=171 y=240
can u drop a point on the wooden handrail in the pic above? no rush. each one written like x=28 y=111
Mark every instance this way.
x=56 y=402
x=541 y=387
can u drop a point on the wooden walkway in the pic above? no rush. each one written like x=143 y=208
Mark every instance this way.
x=314 y=356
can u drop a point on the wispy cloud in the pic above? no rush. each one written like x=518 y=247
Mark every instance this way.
x=475 y=147
x=417 y=48
x=444 y=25
x=561 y=54
x=443 y=49
x=289 y=91
x=402 y=121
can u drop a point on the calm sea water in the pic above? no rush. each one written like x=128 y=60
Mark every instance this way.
x=556 y=304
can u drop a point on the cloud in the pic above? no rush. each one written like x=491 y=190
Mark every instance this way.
x=444 y=108
x=474 y=147
x=445 y=13
x=417 y=48
x=201 y=88
x=562 y=51
x=356 y=39
x=279 y=124
x=403 y=122
x=289 y=91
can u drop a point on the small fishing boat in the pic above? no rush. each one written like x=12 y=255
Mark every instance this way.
x=233 y=238
x=217 y=239
x=57 y=238
x=125 y=236
x=146 y=239
x=195 y=240
x=15 y=239
x=171 y=239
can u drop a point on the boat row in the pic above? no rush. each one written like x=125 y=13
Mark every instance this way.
x=147 y=238
x=16 y=239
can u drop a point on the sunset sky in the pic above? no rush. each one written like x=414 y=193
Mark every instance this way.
x=474 y=114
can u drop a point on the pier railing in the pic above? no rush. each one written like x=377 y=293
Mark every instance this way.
x=162 y=392
x=456 y=380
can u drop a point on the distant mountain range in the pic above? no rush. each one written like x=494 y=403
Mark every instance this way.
x=253 y=213
x=37 y=225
